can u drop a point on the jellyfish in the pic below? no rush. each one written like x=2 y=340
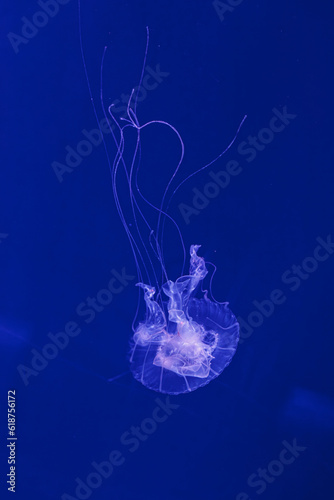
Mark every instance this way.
x=183 y=338
x=192 y=345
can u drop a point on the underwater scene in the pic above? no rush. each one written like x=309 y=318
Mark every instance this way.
x=167 y=250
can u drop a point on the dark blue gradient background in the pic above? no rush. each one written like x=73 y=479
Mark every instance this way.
x=63 y=240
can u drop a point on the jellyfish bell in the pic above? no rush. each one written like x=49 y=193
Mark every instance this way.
x=192 y=345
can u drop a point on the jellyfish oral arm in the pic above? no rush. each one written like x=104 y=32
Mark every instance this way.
x=153 y=329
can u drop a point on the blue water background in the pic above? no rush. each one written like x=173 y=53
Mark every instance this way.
x=60 y=241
